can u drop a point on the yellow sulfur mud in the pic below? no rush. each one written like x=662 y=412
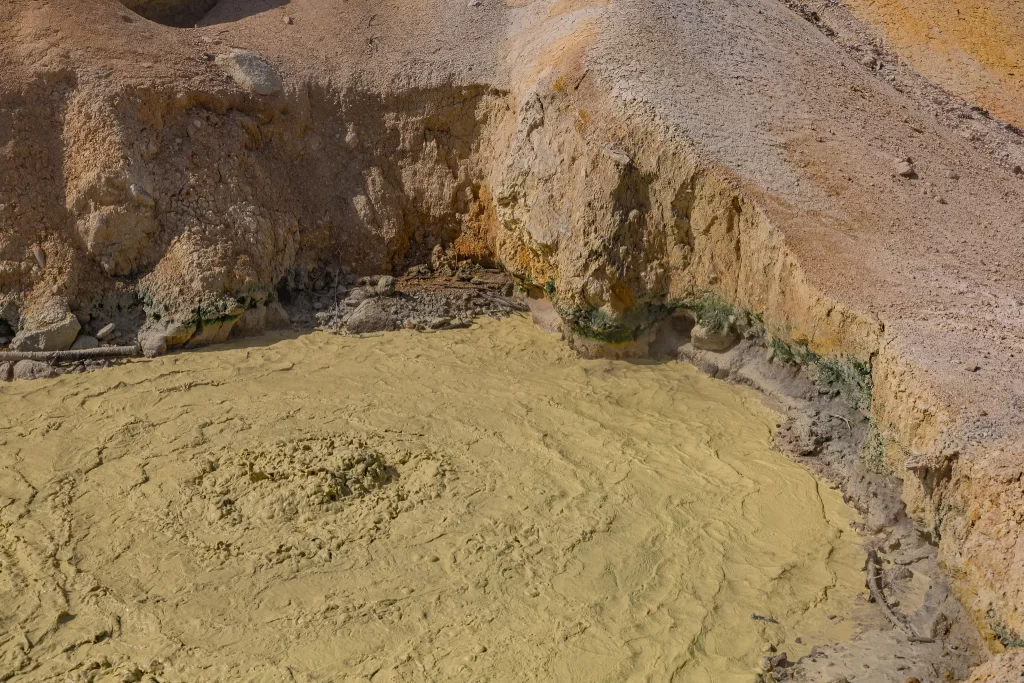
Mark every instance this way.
x=469 y=505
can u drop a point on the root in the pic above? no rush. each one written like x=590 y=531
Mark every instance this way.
x=879 y=596
x=71 y=356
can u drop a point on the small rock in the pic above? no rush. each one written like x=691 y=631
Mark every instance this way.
x=6 y=371
x=85 y=342
x=288 y=20
x=971 y=367
x=475 y=3
x=153 y=343
x=140 y=195
x=438 y=323
x=107 y=332
x=1018 y=170
x=33 y=369
x=250 y=71
x=40 y=255
x=905 y=168
x=707 y=339
x=618 y=156
x=868 y=61
x=386 y=286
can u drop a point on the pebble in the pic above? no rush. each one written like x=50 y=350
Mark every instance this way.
x=905 y=168
x=107 y=332
x=289 y=21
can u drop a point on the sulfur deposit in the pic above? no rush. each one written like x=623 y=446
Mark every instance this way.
x=838 y=184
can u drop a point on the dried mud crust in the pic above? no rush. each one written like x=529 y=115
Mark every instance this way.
x=933 y=638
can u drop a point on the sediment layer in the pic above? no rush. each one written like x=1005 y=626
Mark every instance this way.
x=623 y=161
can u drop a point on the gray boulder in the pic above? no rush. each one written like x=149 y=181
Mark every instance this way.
x=33 y=369
x=56 y=337
x=371 y=316
x=6 y=371
x=85 y=342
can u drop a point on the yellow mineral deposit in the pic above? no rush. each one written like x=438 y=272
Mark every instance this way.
x=473 y=505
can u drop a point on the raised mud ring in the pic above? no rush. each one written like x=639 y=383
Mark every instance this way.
x=316 y=493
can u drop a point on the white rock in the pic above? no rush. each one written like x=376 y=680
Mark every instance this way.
x=250 y=71
x=107 y=332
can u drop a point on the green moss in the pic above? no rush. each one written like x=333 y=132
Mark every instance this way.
x=873 y=451
x=1006 y=636
x=783 y=351
x=850 y=376
x=598 y=324
x=712 y=312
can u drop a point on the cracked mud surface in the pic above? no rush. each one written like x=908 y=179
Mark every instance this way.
x=470 y=505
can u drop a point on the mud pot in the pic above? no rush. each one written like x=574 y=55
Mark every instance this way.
x=475 y=504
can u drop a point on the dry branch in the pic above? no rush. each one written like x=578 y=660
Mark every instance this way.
x=71 y=356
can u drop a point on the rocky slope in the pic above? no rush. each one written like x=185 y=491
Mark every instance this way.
x=621 y=158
